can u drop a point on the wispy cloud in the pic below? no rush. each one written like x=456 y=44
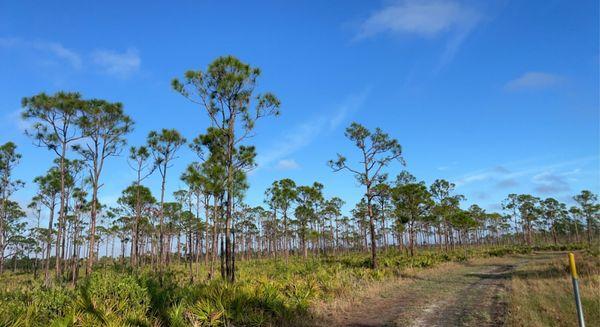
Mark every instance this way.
x=53 y=49
x=426 y=19
x=120 y=64
x=533 y=81
x=506 y=183
x=111 y=62
x=287 y=164
x=305 y=133
x=448 y=166
x=15 y=119
x=549 y=182
x=544 y=179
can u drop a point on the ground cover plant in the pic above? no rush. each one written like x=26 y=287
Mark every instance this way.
x=268 y=291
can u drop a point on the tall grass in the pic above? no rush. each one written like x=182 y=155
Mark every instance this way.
x=542 y=293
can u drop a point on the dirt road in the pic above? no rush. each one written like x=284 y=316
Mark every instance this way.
x=469 y=294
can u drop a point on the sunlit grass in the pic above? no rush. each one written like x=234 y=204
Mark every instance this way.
x=267 y=291
x=542 y=293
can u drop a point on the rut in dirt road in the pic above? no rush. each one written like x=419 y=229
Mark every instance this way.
x=459 y=295
x=479 y=304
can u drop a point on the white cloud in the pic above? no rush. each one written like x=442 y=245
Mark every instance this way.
x=305 y=133
x=120 y=64
x=21 y=124
x=422 y=18
x=533 y=81
x=54 y=49
x=347 y=107
x=287 y=164
x=428 y=19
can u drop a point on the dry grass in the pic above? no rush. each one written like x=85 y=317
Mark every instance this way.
x=406 y=297
x=346 y=302
x=542 y=293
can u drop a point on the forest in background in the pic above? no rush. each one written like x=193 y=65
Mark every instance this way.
x=209 y=235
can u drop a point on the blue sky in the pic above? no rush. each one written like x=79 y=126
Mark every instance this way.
x=499 y=97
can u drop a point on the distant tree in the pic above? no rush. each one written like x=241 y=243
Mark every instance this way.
x=12 y=229
x=134 y=201
x=445 y=205
x=172 y=212
x=163 y=146
x=377 y=150
x=332 y=211
x=216 y=177
x=383 y=197
x=226 y=91
x=478 y=217
x=463 y=221
x=280 y=196
x=139 y=162
x=49 y=187
x=590 y=209
x=360 y=213
x=413 y=203
x=575 y=217
x=309 y=200
x=9 y=158
x=57 y=118
x=553 y=213
x=497 y=224
x=12 y=234
x=80 y=206
x=204 y=186
x=104 y=125
x=529 y=210
x=35 y=207
x=511 y=206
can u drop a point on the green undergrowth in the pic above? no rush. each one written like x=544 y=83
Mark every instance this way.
x=268 y=292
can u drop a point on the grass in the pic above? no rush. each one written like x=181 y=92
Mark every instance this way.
x=269 y=292
x=542 y=293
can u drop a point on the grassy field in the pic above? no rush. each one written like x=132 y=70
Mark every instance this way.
x=268 y=292
x=542 y=293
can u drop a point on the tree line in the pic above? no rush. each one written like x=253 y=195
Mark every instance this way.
x=208 y=223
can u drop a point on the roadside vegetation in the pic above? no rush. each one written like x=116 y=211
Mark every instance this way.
x=203 y=255
x=268 y=291
x=542 y=293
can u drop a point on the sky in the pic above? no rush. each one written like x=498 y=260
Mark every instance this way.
x=497 y=97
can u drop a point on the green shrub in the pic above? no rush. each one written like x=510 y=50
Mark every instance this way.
x=109 y=297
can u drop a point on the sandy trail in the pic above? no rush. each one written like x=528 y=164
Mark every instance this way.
x=469 y=294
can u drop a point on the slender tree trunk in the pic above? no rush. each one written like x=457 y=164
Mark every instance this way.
x=589 y=228
x=285 y=235
x=61 y=212
x=214 y=239
x=161 y=242
x=206 y=240
x=372 y=232
x=190 y=256
x=49 y=246
x=304 y=248
x=3 y=217
x=136 y=224
x=93 y=214
x=411 y=238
